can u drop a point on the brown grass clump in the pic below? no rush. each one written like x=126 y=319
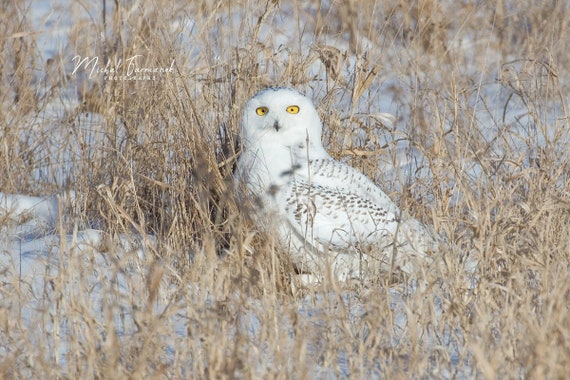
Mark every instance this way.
x=478 y=92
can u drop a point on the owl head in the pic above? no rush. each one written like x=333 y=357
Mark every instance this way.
x=281 y=116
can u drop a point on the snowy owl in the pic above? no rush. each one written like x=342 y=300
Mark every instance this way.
x=328 y=216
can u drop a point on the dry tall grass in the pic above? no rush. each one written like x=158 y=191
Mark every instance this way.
x=479 y=91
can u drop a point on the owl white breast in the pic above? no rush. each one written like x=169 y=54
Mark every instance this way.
x=329 y=217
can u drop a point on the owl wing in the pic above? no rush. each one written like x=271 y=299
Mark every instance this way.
x=340 y=207
x=329 y=216
x=338 y=175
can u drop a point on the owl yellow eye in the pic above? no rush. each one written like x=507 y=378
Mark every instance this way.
x=293 y=109
x=261 y=111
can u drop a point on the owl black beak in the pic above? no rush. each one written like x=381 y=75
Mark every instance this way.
x=276 y=126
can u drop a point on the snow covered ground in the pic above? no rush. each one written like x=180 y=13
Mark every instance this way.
x=41 y=262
